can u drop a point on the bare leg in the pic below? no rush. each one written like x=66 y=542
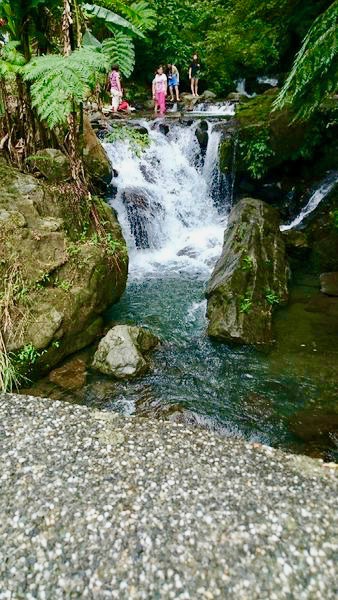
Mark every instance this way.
x=177 y=93
x=171 y=90
x=196 y=87
x=193 y=86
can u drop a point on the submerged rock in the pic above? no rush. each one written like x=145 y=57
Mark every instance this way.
x=250 y=277
x=121 y=352
x=329 y=284
x=70 y=376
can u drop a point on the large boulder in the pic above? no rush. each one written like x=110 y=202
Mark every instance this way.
x=57 y=275
x=96 y=161
x=121 y=353
x=250 y=277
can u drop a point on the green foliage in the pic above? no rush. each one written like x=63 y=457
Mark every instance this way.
x=119 y=49
x=138 y=142
x=245 y=304
x=11 y=60
x=314 y=74
x=271 y=297
x=139 y=13
x=247 y=263
x=10 y=379
x=254 y=152
x=15 y=367
x=61 y=83
x=334 y=218
x=111 y=18
x=64 y=285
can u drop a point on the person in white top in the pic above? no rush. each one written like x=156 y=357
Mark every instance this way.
x=160 y=87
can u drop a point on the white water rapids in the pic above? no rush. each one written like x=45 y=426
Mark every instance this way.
x=173 y=201
x=168 y=201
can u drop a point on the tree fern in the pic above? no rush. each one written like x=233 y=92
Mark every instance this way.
x=60 y=82
x=139 y=13
x=11 y=60
x=120 y=50
x=111 y=18
x=314 y=74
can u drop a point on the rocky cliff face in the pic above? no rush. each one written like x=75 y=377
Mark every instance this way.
x=57 y=274
x=250 y=277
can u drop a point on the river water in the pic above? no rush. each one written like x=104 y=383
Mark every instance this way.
x=173 y=203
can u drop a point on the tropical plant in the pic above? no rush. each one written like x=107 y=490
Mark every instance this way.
x=61 y=83
x=314 y=74
x=111 y=19
x=120 y=50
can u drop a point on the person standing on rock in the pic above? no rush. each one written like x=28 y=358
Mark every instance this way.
x=160 y=88
x=194 y=71
x=173 y=82
x=115 y=88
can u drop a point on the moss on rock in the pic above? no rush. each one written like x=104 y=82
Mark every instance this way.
x=250 y=277
x=57 y=274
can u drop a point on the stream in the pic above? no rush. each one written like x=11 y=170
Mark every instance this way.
x=173 y=205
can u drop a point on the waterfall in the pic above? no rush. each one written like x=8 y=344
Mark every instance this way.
x=172 y=201
x=240 y=88
x=317 y=196
x=214 y=109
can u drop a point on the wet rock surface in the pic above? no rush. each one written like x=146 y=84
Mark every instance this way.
x=121 y=353
x=250 y=278
x=98 y=506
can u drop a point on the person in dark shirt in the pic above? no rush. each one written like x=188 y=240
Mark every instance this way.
x=194 y=71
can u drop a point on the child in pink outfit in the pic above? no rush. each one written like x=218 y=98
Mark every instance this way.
x=160 y=86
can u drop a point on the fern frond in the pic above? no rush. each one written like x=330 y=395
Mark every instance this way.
x=11 y=60
x=139 y=13
x=314 y=74
x=120 y=50
x=60 y=82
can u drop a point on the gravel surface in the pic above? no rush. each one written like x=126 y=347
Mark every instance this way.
x=94 y=505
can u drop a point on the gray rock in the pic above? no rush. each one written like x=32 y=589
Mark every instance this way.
x=121 y=352
x=208 y=95
x=250 y=277
x=329 y=284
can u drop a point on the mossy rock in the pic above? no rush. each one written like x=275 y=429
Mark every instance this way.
x=96 y=161
x=226 y=150
x=61 y=279
x=53 y=164
x=250 y=278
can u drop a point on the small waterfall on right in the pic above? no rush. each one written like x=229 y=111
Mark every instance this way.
x=316 y=198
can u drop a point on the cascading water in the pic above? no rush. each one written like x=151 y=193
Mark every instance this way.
x=169 y=201
x=315 y=199
x=172 y=203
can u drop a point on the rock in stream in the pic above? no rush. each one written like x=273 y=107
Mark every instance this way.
x=250 y=278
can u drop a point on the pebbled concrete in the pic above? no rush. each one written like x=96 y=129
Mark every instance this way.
x=94 y=505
